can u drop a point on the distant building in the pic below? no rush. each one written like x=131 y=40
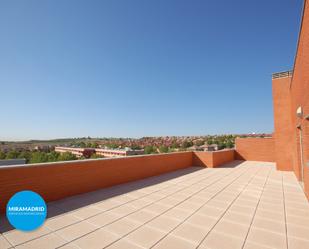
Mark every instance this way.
x=206 y=147
x=87 y=152
x=78 y=152
x=211 y=147
x=12 y=162
x=195 y=148
x=118 y=152
x=44 y=148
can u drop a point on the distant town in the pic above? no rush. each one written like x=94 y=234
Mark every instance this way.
x=40 y=151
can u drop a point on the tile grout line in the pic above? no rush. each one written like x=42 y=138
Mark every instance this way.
x=226 y=210
x=141 y=197
x=11 y=245
x=209 y=174
x=285 y=214
x=199 y=209
x=53 y=232
x=242 y=173
x=142 y=209
x=256 y=208
x=145 y=195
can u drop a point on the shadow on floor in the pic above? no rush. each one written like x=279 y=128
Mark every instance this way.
x=75 y=202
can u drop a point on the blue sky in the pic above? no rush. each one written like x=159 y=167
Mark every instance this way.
x=141 y=68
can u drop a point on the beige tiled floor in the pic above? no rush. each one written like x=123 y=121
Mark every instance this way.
x=246 y=205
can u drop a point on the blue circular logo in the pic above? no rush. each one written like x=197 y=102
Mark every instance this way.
x=26 y=210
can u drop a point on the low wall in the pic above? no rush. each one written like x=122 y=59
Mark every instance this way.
x=62 y=179
x=58 y=180
x=255 y=149
x=213 y=159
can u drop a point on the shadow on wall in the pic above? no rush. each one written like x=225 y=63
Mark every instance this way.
x=213 y=159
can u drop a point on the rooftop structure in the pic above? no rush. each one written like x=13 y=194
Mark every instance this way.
x=78 y=152
x=194 y=199
x=118 y=152
x=239 y=205
x=282 y=74
x=211 y=147
x=12 y=162
x=87 y=152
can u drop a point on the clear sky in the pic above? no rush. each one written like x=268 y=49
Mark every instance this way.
x=141 y=68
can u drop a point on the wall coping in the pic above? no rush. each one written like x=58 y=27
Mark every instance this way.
x=254 y=138
x=85 y=160
x=103 y=159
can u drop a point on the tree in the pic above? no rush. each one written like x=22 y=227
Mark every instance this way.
x=94 y=156
x=38 y=157
x=229 y=144
x=25 y=155
x=210 y=141
x=186 y=144
x=163 y=149
x=175 y=145
x=94 y=145
x=66 y=156
x=82 y=144
x=135 y=147
x=13 y=154
x=149 y=150
x=221 y=145
x=112 y=146
x=199 y=142
x=53 y=156
x=2 y=155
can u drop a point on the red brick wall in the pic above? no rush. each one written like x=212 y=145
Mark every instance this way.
x=62 y=179
x=255 y=149
x=58 y=180
x=212 y=159
x=299 y=92
x=223 y=156
x=282 y=122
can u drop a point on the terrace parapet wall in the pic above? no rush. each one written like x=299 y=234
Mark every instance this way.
x=255 y=149
x=54 y=181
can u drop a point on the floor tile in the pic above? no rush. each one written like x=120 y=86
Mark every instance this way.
x=270 y=225
x=145 y=236
x=122 y=227
x=75 y=231
x=296 y=243
x=173 y=242
x=49 y=241
x=124 y=244
x=103 y=219
x=96 y=240
x=296 y=231
x=221 y=241
x=4 y=243
x=16 y=237
x=267 y=238
x=201 y=220
x=231 y=228
x=163 y=223
x=61 y=221
x=192 y=233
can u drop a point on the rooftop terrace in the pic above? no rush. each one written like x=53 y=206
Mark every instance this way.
x=239 y=205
